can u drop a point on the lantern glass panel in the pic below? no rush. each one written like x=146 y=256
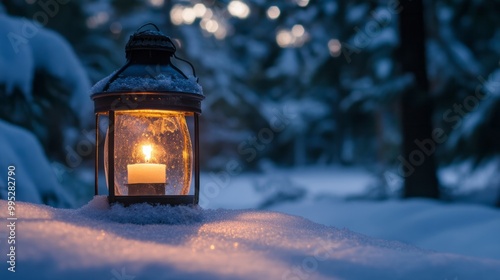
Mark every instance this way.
x=152 y=153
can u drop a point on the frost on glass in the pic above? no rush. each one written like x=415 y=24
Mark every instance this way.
x=146 y=139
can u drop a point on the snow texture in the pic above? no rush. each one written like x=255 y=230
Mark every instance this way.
x=225 y=244
x=141 y=213
x=160 y=82
x=464 y=229
x=458 y=228
x=99 y=86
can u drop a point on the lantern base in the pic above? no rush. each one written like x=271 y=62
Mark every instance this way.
x=146 y=189
x=172 y=200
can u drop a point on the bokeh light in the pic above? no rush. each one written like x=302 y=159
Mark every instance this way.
x=293 y=38
x=188 y=15
x=176 y=14
x=302 y=3
x=298 y=30
x=115 y=27
x=273 y=12
x=97 y=20
x=335 y=47
x=157 y=3
x=199 y=10
x=238 y=9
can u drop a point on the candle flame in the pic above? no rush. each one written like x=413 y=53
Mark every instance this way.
x=147 y=149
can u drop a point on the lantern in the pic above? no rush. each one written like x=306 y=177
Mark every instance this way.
x=149 y=110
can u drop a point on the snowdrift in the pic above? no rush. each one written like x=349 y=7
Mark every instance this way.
x=102 y=242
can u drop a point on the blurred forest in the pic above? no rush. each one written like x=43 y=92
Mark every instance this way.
x=296 y=82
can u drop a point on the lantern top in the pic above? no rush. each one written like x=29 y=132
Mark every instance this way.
x=149 y=40
x=150 y=77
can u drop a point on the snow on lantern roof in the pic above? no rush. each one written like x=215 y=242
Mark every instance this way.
x=162 y=82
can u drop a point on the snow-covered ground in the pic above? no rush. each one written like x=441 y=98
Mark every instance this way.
x=141 y=242
x=249 y=190
x=467 y=229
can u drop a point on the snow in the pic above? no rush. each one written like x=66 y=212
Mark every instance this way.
x=249 y=190
x=477 y=183
x=224 y=244
x=159 y=82
x=469 y=178
x=37 y=182
x=32 y=48
x=455 y=228
x=140 y=213
x=329 y=195
x=12 y=79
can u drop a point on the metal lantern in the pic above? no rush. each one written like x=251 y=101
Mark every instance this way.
x=149 y=109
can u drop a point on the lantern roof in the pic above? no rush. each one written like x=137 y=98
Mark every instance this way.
x=149 y=71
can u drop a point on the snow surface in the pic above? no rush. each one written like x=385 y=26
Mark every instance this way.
x=98 y=242
x=465 y=229
x=249 y=190
x=329 y=194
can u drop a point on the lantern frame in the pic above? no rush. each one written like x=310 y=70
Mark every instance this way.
x=147 y=49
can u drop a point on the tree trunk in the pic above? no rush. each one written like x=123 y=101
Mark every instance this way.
x=418 y=161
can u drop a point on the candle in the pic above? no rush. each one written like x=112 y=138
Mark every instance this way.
x=147 y=173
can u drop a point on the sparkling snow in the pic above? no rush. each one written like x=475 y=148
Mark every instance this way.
x=89 y=243
x=464 y=229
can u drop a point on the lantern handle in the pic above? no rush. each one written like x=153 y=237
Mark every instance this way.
x=149 y=23
x=181 y=59
x=175 y=49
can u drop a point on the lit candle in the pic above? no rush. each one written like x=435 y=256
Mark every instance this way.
x=147 y=173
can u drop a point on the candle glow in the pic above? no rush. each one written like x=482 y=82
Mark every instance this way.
x=147 y=149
